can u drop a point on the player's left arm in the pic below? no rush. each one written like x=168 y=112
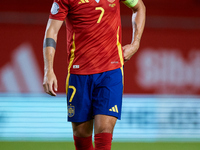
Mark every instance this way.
x=138 y=23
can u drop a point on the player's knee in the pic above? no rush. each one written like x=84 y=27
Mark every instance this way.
x=104 y=129
x=104 y=124
x=81 y=133
x=83 y=129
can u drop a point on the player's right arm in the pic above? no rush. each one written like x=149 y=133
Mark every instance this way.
x=138 y=23
x=49 y=47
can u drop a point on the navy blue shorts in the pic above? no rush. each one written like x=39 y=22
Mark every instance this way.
x=90 y=95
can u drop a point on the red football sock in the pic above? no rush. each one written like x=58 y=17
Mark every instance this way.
x=83 y=143
x=103 y=141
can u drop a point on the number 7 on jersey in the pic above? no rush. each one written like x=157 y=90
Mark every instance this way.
x=101 y=15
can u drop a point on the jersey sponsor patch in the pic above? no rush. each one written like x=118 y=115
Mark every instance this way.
x=55 y=8
x=114 y=62
x=75 y=66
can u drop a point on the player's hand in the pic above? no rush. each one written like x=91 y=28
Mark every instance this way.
x=130 y=49
x=49 y=82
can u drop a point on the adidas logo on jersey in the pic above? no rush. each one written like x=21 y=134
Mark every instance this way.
x=83 y=1
x=114 y=109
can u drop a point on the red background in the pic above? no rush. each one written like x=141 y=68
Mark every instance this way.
x=171 y=25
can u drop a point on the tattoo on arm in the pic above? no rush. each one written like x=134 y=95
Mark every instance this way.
x=49 y=42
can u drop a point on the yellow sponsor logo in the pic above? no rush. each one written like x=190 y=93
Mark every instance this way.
x=114 y=109
x=83 y=1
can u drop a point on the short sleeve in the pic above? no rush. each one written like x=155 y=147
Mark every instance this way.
x=59 y=10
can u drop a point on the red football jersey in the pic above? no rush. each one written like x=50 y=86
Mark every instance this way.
x=93 y=34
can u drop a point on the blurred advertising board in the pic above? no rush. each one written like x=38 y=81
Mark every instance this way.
x=144 y=118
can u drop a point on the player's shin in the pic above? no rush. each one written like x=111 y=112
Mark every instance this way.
x=103 y=141
x=83 y=143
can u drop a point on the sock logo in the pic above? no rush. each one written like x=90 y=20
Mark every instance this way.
x=114 y=109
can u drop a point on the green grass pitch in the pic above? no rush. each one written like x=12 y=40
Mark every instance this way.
x=115 y=146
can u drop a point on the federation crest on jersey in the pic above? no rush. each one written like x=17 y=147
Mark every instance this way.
x=71 y=111
x=55 y=8
x=111 y=1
